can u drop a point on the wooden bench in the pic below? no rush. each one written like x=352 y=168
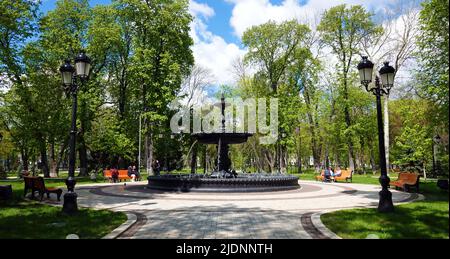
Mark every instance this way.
x=38 y=184
x=321 y=176
x=123 y=175
x=405 y=181
x=345 y=176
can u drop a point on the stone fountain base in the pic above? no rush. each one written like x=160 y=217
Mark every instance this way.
x=242 y=183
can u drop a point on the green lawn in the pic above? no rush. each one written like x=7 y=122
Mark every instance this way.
x=422 y=219
x=37 y=221
x=22 y=219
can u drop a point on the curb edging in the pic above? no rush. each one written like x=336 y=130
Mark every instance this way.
x=315 y=219
x=132 y=218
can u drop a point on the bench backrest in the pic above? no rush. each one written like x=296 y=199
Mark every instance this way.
x=29 y=181
x=107 y=173
x=34 y=182
x=409 y=178
x=346 y=173
x=39 y=183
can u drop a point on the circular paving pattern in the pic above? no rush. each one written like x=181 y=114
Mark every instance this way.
x=281 y=214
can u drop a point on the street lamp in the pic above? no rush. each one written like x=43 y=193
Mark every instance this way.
x=70 y=78
x=387 y=74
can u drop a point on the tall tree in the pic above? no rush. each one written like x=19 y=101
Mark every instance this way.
x=342 y=29
x=271 y=47
x=162 y=56
x=18 y=23
x=395 y=44
x=432 y=55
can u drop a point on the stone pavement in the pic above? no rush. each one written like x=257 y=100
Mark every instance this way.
x=286 y=214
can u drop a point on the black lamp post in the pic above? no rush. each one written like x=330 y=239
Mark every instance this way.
x=71 y=77
x=387 y=74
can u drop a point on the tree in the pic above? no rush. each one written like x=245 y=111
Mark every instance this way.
x=162 y=56
x=17 y=25
x=343 y=29
x=192 y=89
x=412 y=137
x=396 y=43
x=432 y=56
x=271 y=47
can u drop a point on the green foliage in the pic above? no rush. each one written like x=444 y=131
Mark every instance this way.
x=412 y=136
x=271 y=46
x=432 y=54
x=108 y=138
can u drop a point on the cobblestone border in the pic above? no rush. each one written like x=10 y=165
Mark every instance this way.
x=132 y=218
x=141 y=220
x=315 y=220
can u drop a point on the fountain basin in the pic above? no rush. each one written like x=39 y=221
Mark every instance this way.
x=242 y=183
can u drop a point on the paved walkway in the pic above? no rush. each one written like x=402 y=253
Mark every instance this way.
x=287 y=214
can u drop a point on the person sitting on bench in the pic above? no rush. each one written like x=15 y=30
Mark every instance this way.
x=133 y=173
x=114 y=174
x=337 y=172
x=327 y=174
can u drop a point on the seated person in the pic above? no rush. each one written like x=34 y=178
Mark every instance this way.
x=114 y=174
x=327 y=174
x=135 y=173
x=337 y=172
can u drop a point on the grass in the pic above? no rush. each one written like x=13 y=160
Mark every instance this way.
x=421 y=219
x=22 y=219
x=310 y=175
x=31 y=220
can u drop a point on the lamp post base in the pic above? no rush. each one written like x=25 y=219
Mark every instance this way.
x=385 y=204
x=70 y=203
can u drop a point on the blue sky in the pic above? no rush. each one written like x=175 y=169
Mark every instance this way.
x=219 y=24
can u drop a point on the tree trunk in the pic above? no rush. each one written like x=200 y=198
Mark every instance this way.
x=53 y=161
x=61 y=155
x=24 y=157
x=83 y=156
x=283 y=161
x=205 y=160
x=149 y=151
x=44 y=159
x=372 y=162
x=194 y=159
x=82 y=150
x=386 y=129
x=33 y=165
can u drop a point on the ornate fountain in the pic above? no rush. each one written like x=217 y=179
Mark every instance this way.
x=223 y=179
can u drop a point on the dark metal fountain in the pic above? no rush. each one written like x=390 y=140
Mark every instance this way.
x=223 y=179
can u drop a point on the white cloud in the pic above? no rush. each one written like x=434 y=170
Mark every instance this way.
x=247 y=13
x=212 y=51
x=199 y=9
x=216 y=54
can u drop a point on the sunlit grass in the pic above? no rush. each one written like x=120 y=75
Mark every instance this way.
x=422 y=219
x=20 y=218
x=38 y=221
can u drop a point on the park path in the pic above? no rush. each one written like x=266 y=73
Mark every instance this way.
x=291 y=214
